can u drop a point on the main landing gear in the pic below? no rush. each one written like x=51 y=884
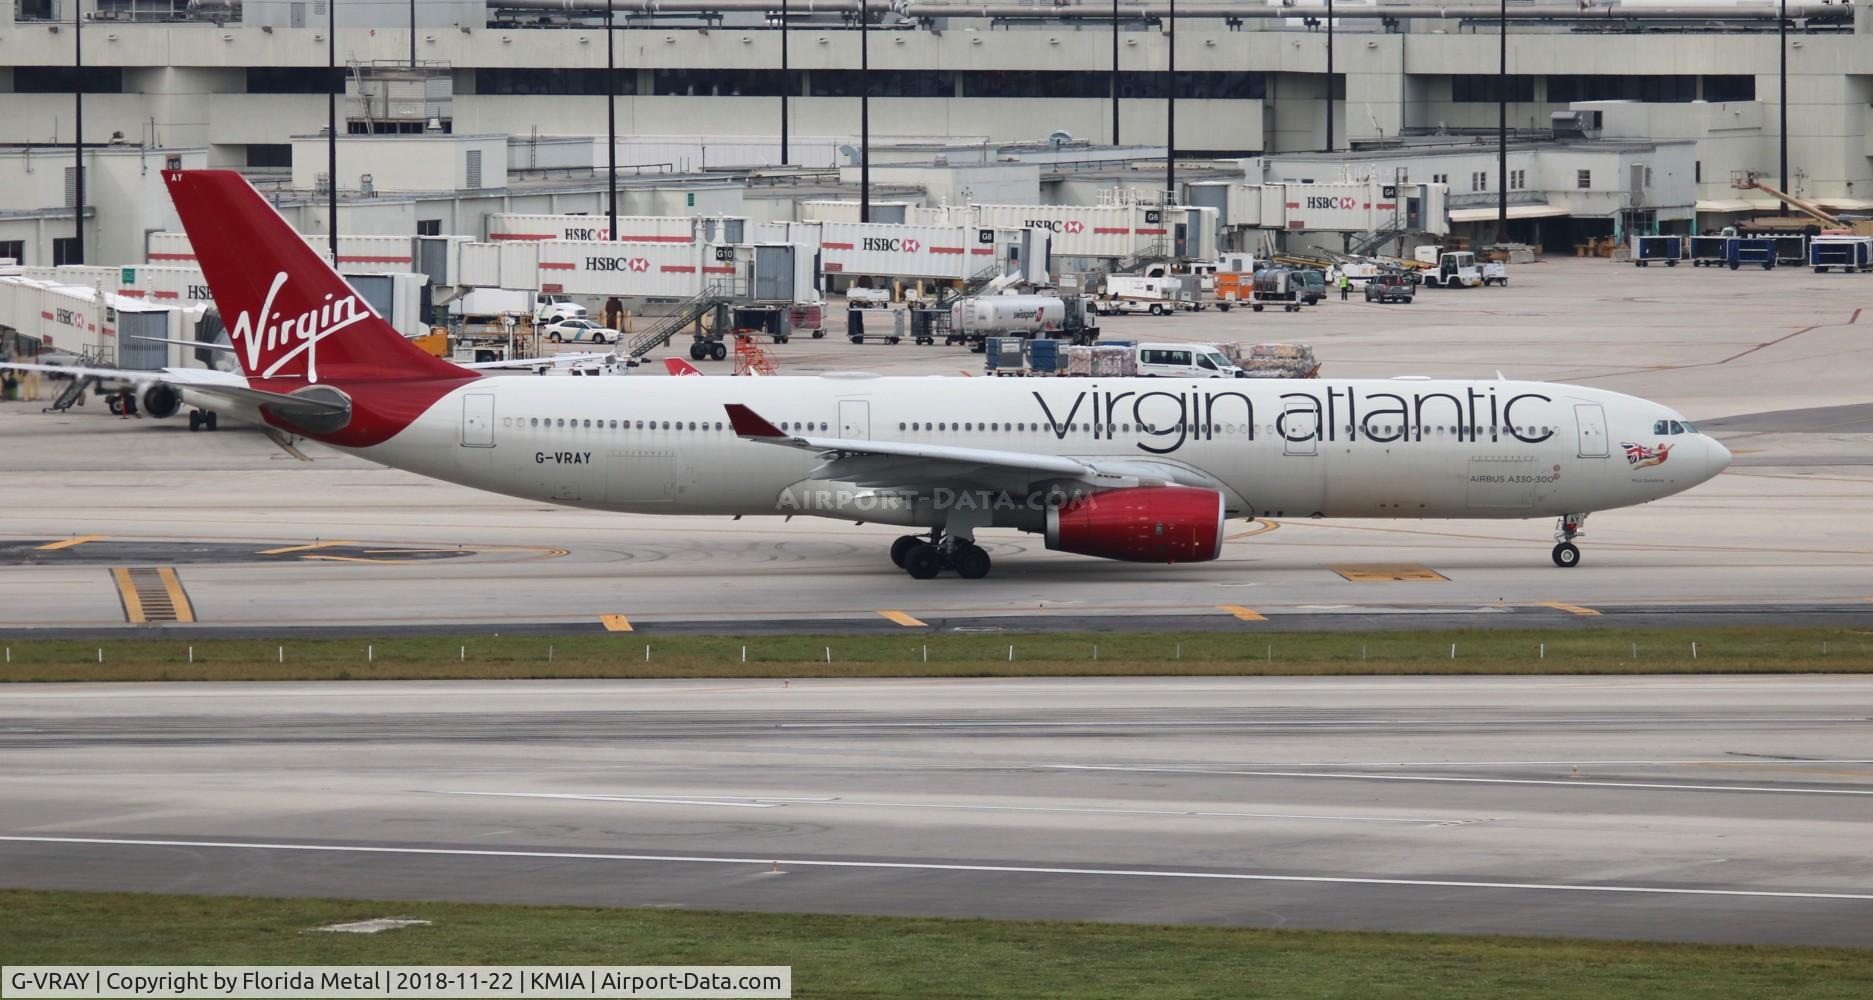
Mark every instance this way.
x=926 y=559
x=1566 y=553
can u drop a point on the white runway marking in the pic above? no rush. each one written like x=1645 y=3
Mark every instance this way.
x=661 y=800
x=1571 y=782
x=769 y=802
x=938 y=867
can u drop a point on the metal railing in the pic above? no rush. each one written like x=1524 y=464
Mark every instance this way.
x=689 y=311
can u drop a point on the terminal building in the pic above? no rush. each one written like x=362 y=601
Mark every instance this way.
x=485 y=108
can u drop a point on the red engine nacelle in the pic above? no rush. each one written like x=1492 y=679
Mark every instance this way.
x=1167 y=524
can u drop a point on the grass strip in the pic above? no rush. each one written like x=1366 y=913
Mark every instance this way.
x=848 y=956
x=1766 y=649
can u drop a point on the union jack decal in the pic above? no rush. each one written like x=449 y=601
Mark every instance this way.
x=1639 y=456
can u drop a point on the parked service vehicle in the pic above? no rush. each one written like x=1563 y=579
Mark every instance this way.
x=1454 y=268
x=1057 y=317
x=1313 y=285
x=1158 y=294
x=550 y=308
x=1185 y=361
x=1277 y=285
x=1495 y=272
x=579 y=331
x=1391 y=286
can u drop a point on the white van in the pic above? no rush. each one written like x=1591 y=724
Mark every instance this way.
x=1185 y=361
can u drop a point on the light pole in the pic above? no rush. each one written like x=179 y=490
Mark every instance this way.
x=78 y=137
x=412 y=34
x=786 y=80
x=1115 y=72
x=1170 y=115
x=331 y=126
x=864 y=111
x=1782 y=99
x=611 y=120
x=1502 y=125
x=1329 y=76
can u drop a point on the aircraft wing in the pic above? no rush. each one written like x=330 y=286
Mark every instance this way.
x=555 y=360
x=907 y=467
x=182 y=377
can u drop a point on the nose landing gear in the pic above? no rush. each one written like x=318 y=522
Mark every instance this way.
x=1566 y=553
x=925 y=560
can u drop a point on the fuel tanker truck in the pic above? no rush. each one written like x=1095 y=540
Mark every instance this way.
x=1045 y=317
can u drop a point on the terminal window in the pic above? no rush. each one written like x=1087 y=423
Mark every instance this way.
x=1583 y=179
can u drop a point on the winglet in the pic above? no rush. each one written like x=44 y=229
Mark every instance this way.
x=750 y=424
x=677 y=366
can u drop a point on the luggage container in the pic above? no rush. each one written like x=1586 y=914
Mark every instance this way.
x=1045 y=357
x=1646 y=249
x=1709 y=251
x=1758 y=250
x=1002 y=354
x=1849 y=253
x=1790 y=248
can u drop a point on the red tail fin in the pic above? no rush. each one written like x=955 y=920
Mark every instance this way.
x=289 y=315
x=677 y=366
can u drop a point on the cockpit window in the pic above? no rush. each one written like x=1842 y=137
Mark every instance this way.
x=1676 y=427
x=1688 y=429
x=1661 y=427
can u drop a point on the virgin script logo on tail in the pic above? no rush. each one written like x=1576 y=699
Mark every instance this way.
x=308 y=328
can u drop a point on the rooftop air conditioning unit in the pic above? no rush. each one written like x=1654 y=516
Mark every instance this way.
x=1574 y=124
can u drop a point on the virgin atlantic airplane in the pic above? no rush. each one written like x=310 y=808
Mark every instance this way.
x=1146 y=470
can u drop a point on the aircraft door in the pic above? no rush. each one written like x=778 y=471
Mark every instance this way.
x=478 y=420
x=1591 y=419
x=855 y=419
x=1300 y=429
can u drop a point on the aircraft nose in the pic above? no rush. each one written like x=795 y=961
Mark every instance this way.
x=1716 y=457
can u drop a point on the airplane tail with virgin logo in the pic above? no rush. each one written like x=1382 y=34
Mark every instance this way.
x=291 y=318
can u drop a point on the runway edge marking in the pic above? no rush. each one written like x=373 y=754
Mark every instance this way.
x=616 y=623
x=178 y=597
x=1572 y=609
x=1240 y=612
x=128 y=596
x=941 y=867
x=901 y=618
x=69 y=543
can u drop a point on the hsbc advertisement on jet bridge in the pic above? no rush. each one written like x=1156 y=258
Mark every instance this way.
x=1338 y=207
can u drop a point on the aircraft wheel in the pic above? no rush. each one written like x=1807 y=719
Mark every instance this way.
x=195 y=420
x=924 y=561
x=718 y=351
x=1567 y=555
x=695 y=350
x=211 y=421
x=902 y=547
x=971 y=562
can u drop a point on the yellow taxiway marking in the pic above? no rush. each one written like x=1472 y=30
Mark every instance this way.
x=178 y=598
x=302 y=548
x=1241 y=612
x=133 y=602
x=72 y=542
x=615 y=623
x=902 y=619
x=1387 y=572
x=1572 y=609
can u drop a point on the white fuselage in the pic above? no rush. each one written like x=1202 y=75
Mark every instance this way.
x=1281 y=448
